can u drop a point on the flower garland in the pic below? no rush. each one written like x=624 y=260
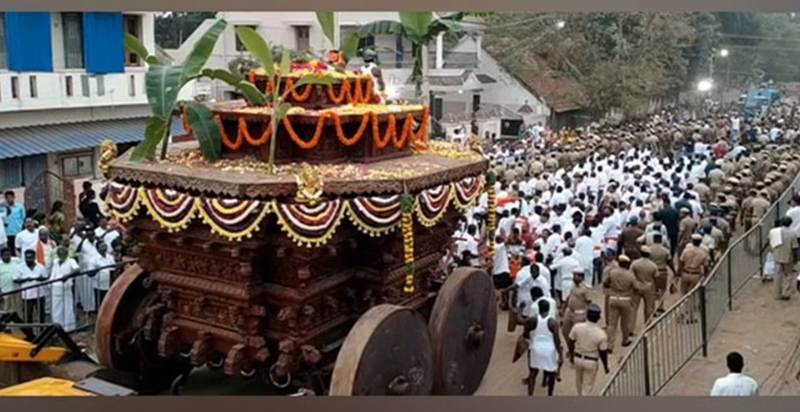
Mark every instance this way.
x=306 y=224
x=353 y=95
x=233 y=145
x=263 y=139
x=418 y=139
x=299 y=97
x=337 y=121
x=491 y=214
x=407 y=206
x=314 y=139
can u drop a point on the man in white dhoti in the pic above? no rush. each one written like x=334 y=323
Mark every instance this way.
x=62 y=301
x=544 y=347
x=86 y=252
x=584 y=252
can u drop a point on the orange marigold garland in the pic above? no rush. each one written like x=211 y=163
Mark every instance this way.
x=263 y=139
x=388 y=135
x=417 y=139
x=337 y=121
x=407 y=226
x=314 y=139
x=344 y=92
x=299 y=97
x=235 y=145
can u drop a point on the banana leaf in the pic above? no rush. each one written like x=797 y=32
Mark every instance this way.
x=205 y=130
x=155 y=130
x=202 y=51
x=256 y=45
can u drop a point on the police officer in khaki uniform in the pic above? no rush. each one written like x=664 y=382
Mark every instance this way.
x=619 y=287
x=747 y=209
x=577 y=303
x=686 y=227
x=588 y=344
x=661 y=256
x=646 y=272
x=693 y=264
x=759 y=205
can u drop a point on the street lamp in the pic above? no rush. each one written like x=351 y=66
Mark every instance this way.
x=560 y=24
x=704 y=85
x=723 y=53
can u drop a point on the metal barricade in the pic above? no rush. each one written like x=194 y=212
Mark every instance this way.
x=71 y=301
x=675 y=337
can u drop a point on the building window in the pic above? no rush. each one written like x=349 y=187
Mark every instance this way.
x=15 y=87
x=301 y=36
x=132 y=24
x=69 y=87
x=131 y=86
x=85 y=90
x=101 y=85
x=72 y=26
x=239 y=45
x=11 y=173
x=3 y=48
x=77 y=165
x=32 y=86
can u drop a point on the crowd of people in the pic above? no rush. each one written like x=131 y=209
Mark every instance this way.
x=74 y=265
x=639 y=211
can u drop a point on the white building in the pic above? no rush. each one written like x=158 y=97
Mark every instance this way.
x=462 y=77
x=67 y=83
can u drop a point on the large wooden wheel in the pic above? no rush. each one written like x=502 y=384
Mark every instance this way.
x=463 y=324
x=387 y=352
x=127 y=329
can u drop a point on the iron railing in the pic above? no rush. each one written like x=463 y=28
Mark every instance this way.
x=41 y=309
x=671 y=340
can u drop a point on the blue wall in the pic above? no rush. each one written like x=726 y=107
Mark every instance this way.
x=103 y=46
x=29 y=42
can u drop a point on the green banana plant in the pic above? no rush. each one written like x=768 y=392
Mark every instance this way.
x=420 y=28
x=261 y=51
x=163 y=83
x=349 y=46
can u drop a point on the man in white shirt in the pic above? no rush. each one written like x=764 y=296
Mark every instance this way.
x=105 y=233
x=794 y=214
x=501 y=270
x=735 y=383
x=63 y=301
x=30 y=273
x=27 y=239
x=102 y=280
x=565 y=267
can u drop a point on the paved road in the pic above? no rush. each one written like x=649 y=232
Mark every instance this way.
x=505 y=378
x=764 y=330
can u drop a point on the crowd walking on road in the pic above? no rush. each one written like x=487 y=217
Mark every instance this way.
x=641 y=211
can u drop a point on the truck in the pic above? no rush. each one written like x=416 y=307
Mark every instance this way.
x=757 y=98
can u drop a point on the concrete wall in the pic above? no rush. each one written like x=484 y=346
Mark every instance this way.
x=120 y=89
